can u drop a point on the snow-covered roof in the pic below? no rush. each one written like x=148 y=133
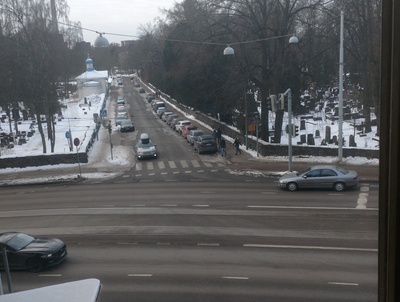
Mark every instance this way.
x=94 y=74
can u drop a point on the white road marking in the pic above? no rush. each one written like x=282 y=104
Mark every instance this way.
x=139 y=166
x=201 y=205
x=343 y=283
x=150 y=166
x=268 y=193
x=161 y=165
x=328 y=248
x=172 y=164
x=195 y=163
x=50 y=275
x=140 y=275
x=184 y=164
x=208 y=244
x=235 y=278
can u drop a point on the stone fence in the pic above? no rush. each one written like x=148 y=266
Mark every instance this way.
x=273 y=149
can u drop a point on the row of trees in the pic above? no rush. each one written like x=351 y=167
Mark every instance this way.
x=35 y=57
x=183 y=54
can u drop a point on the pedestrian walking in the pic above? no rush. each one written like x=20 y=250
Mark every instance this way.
x=214 y=134
x=237 y=144
x=219 y=135
x=222 y=146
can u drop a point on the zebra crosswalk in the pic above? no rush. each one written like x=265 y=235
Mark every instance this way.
x=175 y=166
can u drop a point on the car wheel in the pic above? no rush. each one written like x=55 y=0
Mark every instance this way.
x=34 y=265
x=339 y=186
x=292 y=186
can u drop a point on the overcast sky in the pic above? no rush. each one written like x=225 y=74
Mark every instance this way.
x=116 y=16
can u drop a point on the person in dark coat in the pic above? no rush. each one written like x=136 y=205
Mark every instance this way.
x=219 y=136
x=222 y=146
x=237 y=144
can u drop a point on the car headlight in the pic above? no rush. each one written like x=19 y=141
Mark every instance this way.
x=47 y=256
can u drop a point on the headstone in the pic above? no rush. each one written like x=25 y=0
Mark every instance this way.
x=310 y=140
x=352 y=142
x=302 y=125
x=327 y=133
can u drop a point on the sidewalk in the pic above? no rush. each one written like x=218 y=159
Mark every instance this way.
x=248 y=161
x=101 y=166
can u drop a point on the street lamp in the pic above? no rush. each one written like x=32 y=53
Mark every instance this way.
x=340 y=126
x=228 y=51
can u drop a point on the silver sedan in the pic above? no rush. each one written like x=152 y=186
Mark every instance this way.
x=319 y=177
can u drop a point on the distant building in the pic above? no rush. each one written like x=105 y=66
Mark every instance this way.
x=91 y=81
x=127 y=42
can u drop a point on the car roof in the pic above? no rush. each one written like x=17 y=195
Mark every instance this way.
x=206 y=136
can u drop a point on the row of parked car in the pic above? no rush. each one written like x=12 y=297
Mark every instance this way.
x=198 y=138
x=123 y=120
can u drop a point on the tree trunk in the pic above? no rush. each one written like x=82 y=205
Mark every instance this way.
x=40 y=128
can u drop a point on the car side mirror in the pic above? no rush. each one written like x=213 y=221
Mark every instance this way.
x=304 y=176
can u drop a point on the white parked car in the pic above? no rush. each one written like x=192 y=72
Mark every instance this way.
x=180 y=124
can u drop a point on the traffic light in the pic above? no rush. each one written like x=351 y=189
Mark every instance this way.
x=269 y=103
x=273 y=102
x=282 y=101
x=295 y=130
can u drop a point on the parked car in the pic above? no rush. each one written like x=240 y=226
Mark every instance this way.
x=150 y=97
x=161 y=110
x=174 y=121
x=320 y=176
x=127 y=126
x=157 y=105
x=186 y=129
x=34 y=254
x=121 y=109
x=145 y=148
x=119 y=119
x=180 y=124
x=121 y=102
x=165 y=115
x=205 y=143
x=193 y=134
x=142 y=90
x=170 y=118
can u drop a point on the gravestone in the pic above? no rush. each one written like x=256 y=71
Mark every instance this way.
x=328 y=133
x=302 y=125
x=310 y=140
x=352 y=142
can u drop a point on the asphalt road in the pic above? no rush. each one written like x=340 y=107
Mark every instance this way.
x=217 y=241
x=200 y=236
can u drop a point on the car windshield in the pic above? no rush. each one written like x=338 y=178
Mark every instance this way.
x=144 y=146
x=20 y=241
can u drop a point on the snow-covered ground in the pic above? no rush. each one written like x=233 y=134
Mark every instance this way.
x=78 y=117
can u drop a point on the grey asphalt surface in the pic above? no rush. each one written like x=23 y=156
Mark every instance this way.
x=243 y=162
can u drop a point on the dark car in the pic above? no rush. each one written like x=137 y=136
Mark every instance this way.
x=318 y=177
x=34 y=254
x=205 y=143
